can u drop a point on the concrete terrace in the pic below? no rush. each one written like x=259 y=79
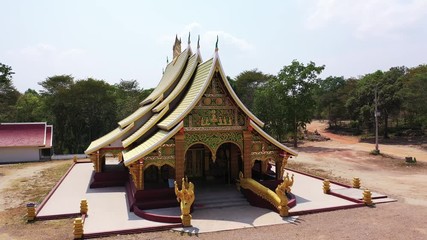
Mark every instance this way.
x=109 y=210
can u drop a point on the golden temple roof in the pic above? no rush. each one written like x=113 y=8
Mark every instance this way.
x=172 y=72
x=151 y=144
x=147 y=126
x=188 y=73
x=108 y=138
x=156 y=121
x=198 y=87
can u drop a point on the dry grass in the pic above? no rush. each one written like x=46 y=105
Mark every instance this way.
x=32 y=189
x=317 y=172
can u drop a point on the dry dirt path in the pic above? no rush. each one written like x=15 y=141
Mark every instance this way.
x=11 y=173
x=345 y=157
x=398 y=151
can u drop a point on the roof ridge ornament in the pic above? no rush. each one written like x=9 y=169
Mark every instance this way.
x=198 y=42
x=189 y=37
x=176 y=49
x=216 y=44
x=167 y=60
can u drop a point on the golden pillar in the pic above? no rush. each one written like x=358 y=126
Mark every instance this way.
x=179 y=157
x=247 y=149
x=137 y=172
x=94 y=157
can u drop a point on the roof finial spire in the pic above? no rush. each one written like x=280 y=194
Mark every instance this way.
x=167 y=60
x=176 y=47
x=198 y=42
x=216 y=44
x=189 y=36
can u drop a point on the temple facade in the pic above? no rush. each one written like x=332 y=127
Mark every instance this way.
x=192 y=125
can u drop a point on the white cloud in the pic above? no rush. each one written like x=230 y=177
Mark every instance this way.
x=368 y=18
x=33 y=64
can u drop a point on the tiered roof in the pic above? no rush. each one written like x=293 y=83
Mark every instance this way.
x=159 y=118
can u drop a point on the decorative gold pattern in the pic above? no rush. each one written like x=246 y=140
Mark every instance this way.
x=159 y=161
x=136 y=171
x=213 y=129
x=283 y=166
x=214 y=140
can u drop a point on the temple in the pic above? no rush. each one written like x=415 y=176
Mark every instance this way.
x=192 y=126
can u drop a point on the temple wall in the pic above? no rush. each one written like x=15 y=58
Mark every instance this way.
x=25 y=154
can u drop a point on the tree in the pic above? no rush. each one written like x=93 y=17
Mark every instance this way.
x=8 y=94
x=128 y=96
x=413 y=93
x=389 y=99
x=88 y=111
x=298 y=84
x=388 y=85
x=53 y=85
x=29 y=107
x=268 y=104
x=331 y=99
x=247 y=83
x=286 y=102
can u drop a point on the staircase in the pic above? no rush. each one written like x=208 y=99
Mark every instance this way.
x=222 y=196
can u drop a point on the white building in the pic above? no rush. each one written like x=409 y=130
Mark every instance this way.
x=24 y=142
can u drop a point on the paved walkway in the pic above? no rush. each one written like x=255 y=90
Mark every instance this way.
x=108 y=207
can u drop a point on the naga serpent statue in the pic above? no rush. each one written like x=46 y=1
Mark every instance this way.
x=281 y=191
x=186 y=198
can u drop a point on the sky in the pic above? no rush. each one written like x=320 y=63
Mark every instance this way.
x=131 y=40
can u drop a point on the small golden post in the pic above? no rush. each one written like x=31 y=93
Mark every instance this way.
x=78 y=228
x=326 y=186
x=367 y=198
x=83 y=206
x=31 y=212
x=356 y=182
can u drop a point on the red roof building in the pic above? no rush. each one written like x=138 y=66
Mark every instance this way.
x=23 y=142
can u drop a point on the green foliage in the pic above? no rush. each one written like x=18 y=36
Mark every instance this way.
x=387 y=84
x=247 y=83
x=29 y=107
x=414 y=94
x=8 y=94
x=128 y=96
x=331 y=96
x=287 y=103
x=268 y=105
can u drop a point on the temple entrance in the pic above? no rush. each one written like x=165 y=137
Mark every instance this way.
x=202 y=167
x=159 y=177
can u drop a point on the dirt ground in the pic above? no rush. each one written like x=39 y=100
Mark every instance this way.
x=341 y=158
